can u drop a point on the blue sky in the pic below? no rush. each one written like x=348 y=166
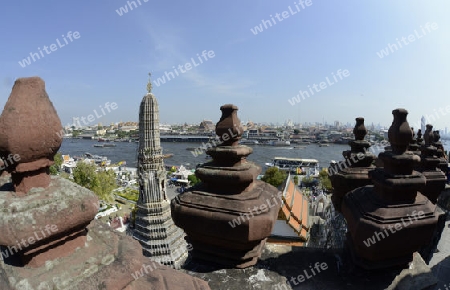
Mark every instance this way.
x=259 y=73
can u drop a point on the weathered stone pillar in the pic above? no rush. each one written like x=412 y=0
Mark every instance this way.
x=353 y=171
x=390 y=220
x=47 y=237
x=228 y=216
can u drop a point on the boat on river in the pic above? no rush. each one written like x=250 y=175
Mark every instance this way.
x=97 y=159
x=248 y=142
x=280 y=143
x=296 y=165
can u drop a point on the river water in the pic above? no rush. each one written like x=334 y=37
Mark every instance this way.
x=261 y=154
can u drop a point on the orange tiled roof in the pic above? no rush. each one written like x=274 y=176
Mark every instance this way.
x=295 y=209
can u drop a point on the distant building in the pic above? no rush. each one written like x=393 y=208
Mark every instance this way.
x=423 y=123
x=100 y=132
x=165 y=128
x=253 y=133
x=128 y=128
x=289 y=124
x=207 y=126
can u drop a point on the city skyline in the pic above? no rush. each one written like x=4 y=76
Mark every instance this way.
x=306 y=61
x=444 y=132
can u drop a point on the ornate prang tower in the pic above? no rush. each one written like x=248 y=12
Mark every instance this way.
x=160 y=238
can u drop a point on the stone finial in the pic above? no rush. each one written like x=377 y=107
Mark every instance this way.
x=399 y=133
x=433 y=164
x=229 y=128
x=353 y=171
x=395 y=196
x=31 y=130
x=359 y=130
x=419 y=139
x=436 y=136
x=428 y=136
x=228 y=190
x=414 y=145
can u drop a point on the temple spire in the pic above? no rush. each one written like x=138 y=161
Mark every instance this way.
x=149 y=84
x=154 y=229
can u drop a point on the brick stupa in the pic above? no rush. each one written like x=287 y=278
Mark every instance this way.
x=229 y=192
x=47 y=238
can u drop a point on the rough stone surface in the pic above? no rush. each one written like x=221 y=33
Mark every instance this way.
x=51 y=221
x=108 y=260
x=29 y=128
x=418 y=276
x=51 y=214
x=280 y=267
x=63 y=204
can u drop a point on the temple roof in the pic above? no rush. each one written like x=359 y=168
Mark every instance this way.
x=294 y=212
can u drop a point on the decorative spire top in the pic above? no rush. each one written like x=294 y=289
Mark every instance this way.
x=359 y=130
x=428 y=136
x=400 y=134
x=149 y=84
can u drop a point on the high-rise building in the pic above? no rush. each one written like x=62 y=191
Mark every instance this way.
x=154 y=229
x=423 y=123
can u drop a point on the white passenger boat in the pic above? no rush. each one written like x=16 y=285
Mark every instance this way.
x=296 y=165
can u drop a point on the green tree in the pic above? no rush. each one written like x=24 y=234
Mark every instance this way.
x=55 y=168
x=101 y=183
x=325 y=181
x=106 y=184
x=296 y=179
x=193 y=180
x=274 y=176
x=122 y=134
x=296 y=131
x=308 y=181
x=84 y=174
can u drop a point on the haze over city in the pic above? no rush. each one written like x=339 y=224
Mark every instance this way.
x=275 y=60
